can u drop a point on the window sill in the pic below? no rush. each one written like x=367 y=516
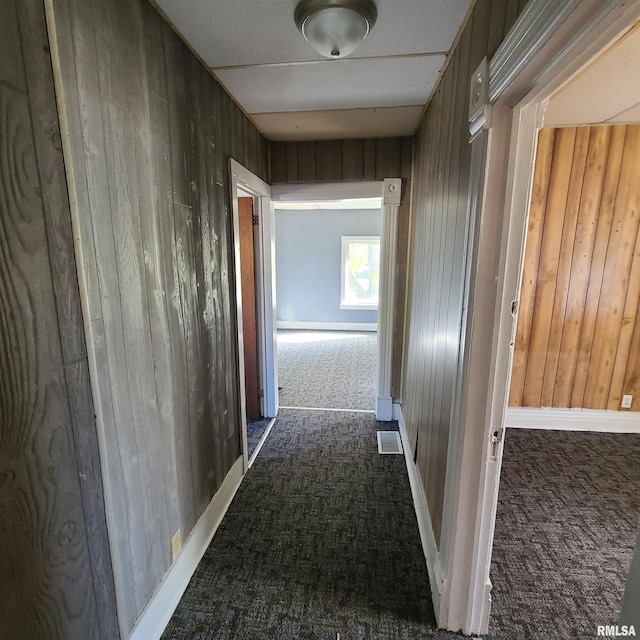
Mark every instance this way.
x=359 y=307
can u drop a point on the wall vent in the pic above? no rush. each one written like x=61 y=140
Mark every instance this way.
x=389 y=442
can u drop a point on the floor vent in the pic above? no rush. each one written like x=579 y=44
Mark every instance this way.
x=389 y=442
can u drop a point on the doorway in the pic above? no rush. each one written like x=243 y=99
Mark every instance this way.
x=389 y=191
x=327 y=291
x=547 y=47
x=255 y=310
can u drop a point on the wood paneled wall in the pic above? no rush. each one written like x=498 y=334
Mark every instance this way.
x=353 y=161
x=56 y=581
x=340 y=160
x=150 y=134
x=437 y=252
x=578 y=333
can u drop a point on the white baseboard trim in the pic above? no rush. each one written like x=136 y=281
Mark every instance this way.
x=156 y=615
x=427 y=537
x=327 y=326
x=384 y=408
x=573 y=420
x=265 y=435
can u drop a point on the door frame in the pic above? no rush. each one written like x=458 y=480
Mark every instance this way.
x=241 y=177
x=549 y=44
x=390 y=190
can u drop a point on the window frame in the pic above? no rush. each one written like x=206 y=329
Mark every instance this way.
x=345 y=241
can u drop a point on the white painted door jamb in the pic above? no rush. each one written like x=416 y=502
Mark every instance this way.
x=387 y=295
x=265 y=294
x=550 y=42
x=391 y=192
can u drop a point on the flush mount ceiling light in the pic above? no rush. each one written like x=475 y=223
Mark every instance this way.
x=335 y=28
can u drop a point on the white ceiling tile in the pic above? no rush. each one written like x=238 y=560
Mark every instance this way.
x=346 y=123
x=246 y=32
x=630 y=116
x=609 y=86
x=333 y=84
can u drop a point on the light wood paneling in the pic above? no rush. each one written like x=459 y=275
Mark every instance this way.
x=56 y=581
x=437 y=255
x=581 y=283
x=150 y=133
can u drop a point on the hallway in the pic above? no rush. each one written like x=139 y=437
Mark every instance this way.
x=320 y=540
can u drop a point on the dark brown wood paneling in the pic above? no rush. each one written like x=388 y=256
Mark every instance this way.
x=339 y=160
x=249 y=326
x=292 y=161
x=581 y=282
x=155 y=235
x=55 y=570
x=329 y=160
x=369 y=160
x=278 y=161
x=353 y=159
x=438 y=256
x=306 y=162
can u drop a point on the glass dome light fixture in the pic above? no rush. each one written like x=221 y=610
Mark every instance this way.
x=335 y=28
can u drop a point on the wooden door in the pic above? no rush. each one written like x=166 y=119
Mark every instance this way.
x=250 y=331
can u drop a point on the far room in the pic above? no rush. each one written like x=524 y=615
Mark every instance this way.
x=327 y=293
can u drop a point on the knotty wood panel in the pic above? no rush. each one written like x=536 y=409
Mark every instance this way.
x=580 y=293
x=437 y=254
x=150 y=136
x=56 y=581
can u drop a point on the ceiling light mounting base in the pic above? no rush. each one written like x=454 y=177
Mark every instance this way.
x=335 y=28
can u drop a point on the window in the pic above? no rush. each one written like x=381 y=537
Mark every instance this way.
x=360 y=272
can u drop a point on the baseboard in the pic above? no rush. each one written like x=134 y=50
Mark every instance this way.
x=156 y=615
x=265 y=435
x=427 y=537
x=573 y=420
x=327 y=326
x=384 y=408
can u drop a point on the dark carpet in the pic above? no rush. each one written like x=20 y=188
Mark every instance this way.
x=565 y=532
x=327 y=369
x=320 y=540
x=255 y=431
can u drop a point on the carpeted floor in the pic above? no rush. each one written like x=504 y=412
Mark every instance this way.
x=320 y=540
x=565 y=532
x=327 y=369
x=255 y=431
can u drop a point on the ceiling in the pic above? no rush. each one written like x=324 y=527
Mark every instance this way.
x=607 y=91
x=292 y=93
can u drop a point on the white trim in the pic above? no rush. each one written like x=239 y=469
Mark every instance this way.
x=425 y=527
x=547 y=46
x=329 y=409
x=362 y=204
x=331 y=191
x=573 y=420
x=156 y=615
x=327 y=326
x=357 y=307
x=345 y=241
x=241 y=177
x=538 y=21
x=387 y=296
x=391 y=190
x=398 y=441
x=265 y=435
x=384 y=408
